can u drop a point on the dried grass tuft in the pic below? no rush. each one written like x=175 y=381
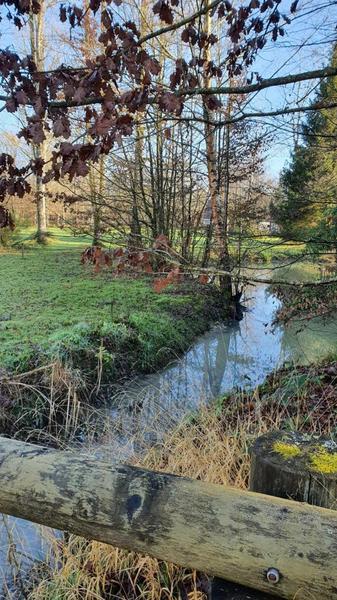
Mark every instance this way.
x=213 y=446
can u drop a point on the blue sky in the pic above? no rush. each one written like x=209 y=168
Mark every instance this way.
x=305 y=46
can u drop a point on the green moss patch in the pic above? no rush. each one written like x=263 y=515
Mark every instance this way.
x=287 y=450
x=324 y=461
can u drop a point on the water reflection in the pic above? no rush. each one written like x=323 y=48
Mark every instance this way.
x=21 y=542
x=231 y=355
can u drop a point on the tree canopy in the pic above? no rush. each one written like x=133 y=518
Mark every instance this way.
x=126 y=77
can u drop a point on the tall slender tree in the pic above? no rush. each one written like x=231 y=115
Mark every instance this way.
x=38 y=48
x=219 y=204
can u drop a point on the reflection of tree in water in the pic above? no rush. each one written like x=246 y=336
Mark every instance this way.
x=216 y=358
x=237 y=354
x=148 y=408
x=219 y=360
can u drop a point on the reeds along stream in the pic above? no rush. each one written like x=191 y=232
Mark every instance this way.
x=231 y=355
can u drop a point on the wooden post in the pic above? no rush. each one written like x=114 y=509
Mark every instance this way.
x=226 y=532
x=288 y=465
x=297 y=466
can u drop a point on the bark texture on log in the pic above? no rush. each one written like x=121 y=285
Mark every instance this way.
x=297 y=466
x=226 y=532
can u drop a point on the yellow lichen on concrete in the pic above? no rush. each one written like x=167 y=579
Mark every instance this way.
x=286 y=450
x=324 y=461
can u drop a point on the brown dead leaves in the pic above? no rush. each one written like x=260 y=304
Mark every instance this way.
x=157 y=261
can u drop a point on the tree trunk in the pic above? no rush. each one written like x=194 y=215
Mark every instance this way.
x=41 y=211
x=37 y=47
x=219 y=214
x=96 y=175
x=226 y=256
x=135 y=239
x=96 y=184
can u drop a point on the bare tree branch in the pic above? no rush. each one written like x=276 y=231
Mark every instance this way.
x=254 y=115
x=153 y=34
x=261 y=85
x=238 y=90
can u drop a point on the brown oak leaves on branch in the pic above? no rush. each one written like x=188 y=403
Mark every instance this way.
x=122 y=81
x=153 y=261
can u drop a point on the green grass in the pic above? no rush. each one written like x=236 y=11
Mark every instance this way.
x=52 y=306
x=259 y=248
x=270 y=248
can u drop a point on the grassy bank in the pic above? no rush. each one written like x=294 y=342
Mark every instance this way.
x=88 y=329
x=53 y=307
x=212 y=446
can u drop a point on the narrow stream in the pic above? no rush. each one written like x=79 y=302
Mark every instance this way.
x=232 y=355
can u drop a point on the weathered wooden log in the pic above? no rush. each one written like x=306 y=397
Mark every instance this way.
x=297 y=466
x=226 y=532
x=290 y=465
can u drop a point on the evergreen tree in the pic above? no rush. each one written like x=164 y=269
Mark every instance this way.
x=307 y=196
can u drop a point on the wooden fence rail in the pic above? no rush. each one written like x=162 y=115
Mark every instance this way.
x=226 y=532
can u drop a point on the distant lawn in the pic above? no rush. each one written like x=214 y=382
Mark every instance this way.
x=270 y=248
x=260 y=248
x=58 y=239
x=52 y=306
